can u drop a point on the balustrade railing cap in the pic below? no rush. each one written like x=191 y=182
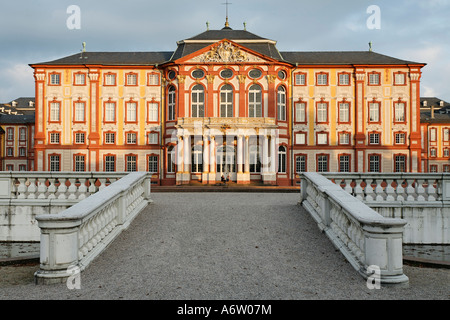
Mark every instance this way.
x=95 y=202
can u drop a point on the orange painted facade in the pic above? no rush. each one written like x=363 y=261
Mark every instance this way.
x=226 y=102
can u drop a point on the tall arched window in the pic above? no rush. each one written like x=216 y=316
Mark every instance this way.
x=255 y=101
x=171 y=159
x=226 y=101
x=171 y=103
x=197 y=159
x=255 y=159
x=198 y=101
x=282 y=159
x=281 y=103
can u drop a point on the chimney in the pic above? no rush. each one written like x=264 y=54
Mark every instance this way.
x=14 y=103
x=432 y=112
x=31 y=103
x=441 y=103
x=424 y=103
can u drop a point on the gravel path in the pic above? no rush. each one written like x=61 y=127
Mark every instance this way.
x=216 y=246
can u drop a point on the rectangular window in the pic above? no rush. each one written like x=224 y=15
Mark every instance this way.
x=300 y=138
x=80 y=79
x=446 y=152
x=153 y=164
x=446 y=168
x=131 y=111
x=10 y=134
x=10 y=152
x=110 y=163
x=300 y=164
x=322 y=79
x=54 y=163
x=54 y=111
x=153 y=138
x=300 y=112
x=300 y=79
x=374 y=163
x=445 y=135
x=54 y=138
x=110 y=111
x=131 y=79
x=344 y=163
x=399 y=112
x=79 y=111
x=55 y=79
x=433 y=168
x=152 y=112
x=374 y=138
x=433 y=133
x=374 y=112
x=153 y=79
x=110 y=79
x=322 y=163
x=22 y=167
x=400 y=138
x=79 y=138
x=9 y=167
x=344 y=138
x=344 y=112
x=374 y=79
x=131 y=138
x=322 y=112
x=131 y=163
x=400 y=163
x=322 y=138
x=433 y=152
x=22 y=152
x=23 y=134
x=344 y=79
x=110 y=138
x=399 y=79
x=79 y=163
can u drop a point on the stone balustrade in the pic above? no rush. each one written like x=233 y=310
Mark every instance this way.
x=76 y=236
x=54 y=185
x=422 y=199
x=24 y=195
x=363 y=236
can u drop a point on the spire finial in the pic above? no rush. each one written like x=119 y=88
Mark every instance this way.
x=245 y=26
x=370 y=46
x=207 y=26
x=227 y=24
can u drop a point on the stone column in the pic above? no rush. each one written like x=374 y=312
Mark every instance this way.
x=206 y=156
x=212 y=162
x=265 y=154
x=273 y=154
x=239 y=153
x=247 y=156
x=180 y=164
x=187 y=159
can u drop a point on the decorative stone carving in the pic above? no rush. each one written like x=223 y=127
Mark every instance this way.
x=226 y=52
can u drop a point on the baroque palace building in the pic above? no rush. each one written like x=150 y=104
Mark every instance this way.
x=228 y=103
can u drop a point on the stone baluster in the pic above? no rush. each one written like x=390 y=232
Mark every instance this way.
x=82 y=189
x=359 y=192
x=72 y=189
x=42 y=188
x=22 y=188
x=379 y=191
x=410 y=190
x=370 y=195
x=431 y=190
x=348 y=186
x=32 y=189
x=420 y=190
x=62 y=189
x=92 y=188
x=52 y=189
x=390 y=191
x=400 y=190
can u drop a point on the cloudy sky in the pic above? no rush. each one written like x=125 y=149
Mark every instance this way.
x=34 y=31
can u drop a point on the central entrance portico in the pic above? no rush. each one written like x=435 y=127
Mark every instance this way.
x=243 y=149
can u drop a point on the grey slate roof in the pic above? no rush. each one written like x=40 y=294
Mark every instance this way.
x=22 y=106
x=16 y=119
x=247 y=39
x=342 y=57
x=112 y=58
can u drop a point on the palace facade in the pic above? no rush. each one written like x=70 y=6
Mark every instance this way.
x=228 y=103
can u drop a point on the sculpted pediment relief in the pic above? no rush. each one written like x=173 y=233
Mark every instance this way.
x=225 y=52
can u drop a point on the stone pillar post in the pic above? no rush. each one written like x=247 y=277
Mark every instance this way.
x=247 y=156
x=212 y=162
x=180 y=164
x=273 y=154
x=239 y=153
x=206 y=156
